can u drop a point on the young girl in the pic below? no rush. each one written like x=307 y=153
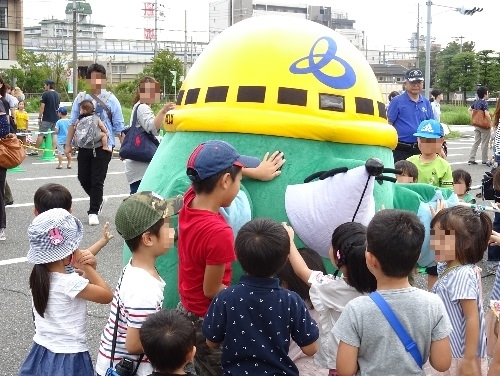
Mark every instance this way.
x=330 y=293
x=60 y=299
x=459 y=237
x=291 y=281
x=462 y=182
x=22 y=119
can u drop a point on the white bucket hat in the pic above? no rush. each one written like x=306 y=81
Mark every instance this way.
x=53 y=235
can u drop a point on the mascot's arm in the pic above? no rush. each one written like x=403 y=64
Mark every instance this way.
x=298 y=264
x=268 y=169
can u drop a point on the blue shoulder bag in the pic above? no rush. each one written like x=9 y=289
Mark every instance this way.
x=403 y=335
x=138 y=145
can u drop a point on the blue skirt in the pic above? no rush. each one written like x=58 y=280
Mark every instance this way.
x=43 y=362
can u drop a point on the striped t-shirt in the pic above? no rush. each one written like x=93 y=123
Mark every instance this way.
x=139 y=294
x=461 y=283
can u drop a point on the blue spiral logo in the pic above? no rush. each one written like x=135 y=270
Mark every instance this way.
x=346 y=81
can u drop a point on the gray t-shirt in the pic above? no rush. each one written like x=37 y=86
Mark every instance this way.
x=134 y=170
x=381 y=353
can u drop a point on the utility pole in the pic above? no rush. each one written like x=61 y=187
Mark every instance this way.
x=427 y=81
x=110 y=60
x=156 y=29
x=418 y=35
x=461 y=38
x=185 y=42
x=75 y=56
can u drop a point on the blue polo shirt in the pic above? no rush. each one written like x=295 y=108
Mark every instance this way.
x=406 y=115
x=255 y=320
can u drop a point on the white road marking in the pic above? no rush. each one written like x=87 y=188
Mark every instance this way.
x=74 y=200
x=13 y=261
x=65 y=176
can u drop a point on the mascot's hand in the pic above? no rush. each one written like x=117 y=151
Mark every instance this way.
x=440 y=204
x=268 y=169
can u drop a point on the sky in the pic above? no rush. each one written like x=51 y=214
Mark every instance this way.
x=388 y=23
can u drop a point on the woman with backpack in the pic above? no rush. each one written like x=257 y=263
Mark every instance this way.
x=147 y=93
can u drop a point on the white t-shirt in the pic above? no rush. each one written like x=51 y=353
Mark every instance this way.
x=63 y=329
x=139 y=294
x=329 y=295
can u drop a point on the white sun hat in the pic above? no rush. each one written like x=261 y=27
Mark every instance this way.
x=53 y=235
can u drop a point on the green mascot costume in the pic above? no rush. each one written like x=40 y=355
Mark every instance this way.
x=278 y=83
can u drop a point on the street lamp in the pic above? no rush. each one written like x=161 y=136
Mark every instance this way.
x=462 y=10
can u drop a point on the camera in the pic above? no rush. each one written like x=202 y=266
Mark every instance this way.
x=124 y=368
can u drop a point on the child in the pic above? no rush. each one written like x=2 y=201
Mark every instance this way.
x=60 y=299
x=53 y=195
x=93 y=121
x=460 y=236
x=22 y=122
x=142 y=220
x=462 y=182
x=432 y=169
x=255 y=319
x=206 y=241
x=61 y=130
x=329 y=293
x=494 y=249
x=410 y=172
x=168 y=332
x=291 y=281
x=367 y=343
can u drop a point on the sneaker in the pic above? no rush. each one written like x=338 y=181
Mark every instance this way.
x=93 y=219
x=489 y=164
x=2 y=234
x=472 y=162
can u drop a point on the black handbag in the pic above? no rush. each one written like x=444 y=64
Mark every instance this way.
x=138 y=145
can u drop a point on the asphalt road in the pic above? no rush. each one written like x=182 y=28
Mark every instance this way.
x=15 y=302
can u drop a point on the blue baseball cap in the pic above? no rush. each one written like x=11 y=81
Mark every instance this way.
x=414 y=74
x=62 y=110
x=429 y=129
x=214 y=156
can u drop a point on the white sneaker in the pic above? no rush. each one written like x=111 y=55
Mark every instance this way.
x=2 y=234
x=93 y=219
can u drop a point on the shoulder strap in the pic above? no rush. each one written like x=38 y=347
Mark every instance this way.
x=403 y=335
x=102 y=102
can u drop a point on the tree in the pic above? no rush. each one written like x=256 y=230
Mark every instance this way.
x=486 y=68
x=464 y=69
x=160 y=68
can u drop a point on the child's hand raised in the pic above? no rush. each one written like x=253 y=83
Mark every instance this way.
x=440 y=205
x=270 y=166
x=289 y=230
x=106 y=235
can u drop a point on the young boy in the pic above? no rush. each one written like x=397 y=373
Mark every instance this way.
x=168 y=332
x=142 y=220
x=409 y=172
x=52 y=196
x=91 y=120
x=367 y=343
x=22 y=119
x=61 y=130
x=432 y=169
x=206 y=241
x=256 y=318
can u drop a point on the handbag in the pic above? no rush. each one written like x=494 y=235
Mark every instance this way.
x=12 y=152
x=480 y=120
x=138 y=145
x=124 y=367
x=403 y=335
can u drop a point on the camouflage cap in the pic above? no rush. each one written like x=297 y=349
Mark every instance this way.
x=140 y=211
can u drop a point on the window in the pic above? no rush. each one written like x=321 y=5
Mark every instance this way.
x=322 y=10
x=3 y=18
x=119 y=68
x=4 y=49
x=398 y=79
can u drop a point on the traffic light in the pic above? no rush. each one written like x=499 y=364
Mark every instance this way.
x=470 y=12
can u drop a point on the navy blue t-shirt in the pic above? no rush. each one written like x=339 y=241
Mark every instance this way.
x=52 y=99
x=406 y=115
x=255 y=320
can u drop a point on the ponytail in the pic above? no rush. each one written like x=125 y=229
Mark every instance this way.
x=40 y=286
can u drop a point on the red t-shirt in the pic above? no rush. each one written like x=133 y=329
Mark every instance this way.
x=205 y=238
